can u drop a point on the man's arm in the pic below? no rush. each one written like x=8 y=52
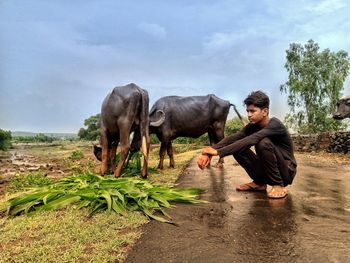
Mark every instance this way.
x=248 y=141
x=208 y=152
x=229 y=139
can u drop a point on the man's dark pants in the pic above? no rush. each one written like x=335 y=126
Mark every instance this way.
x=266 y=166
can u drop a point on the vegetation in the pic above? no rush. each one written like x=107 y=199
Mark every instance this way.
x=314 y=86
x=233 y=126
x=56 y=136
x=40 y=137
x=102 y=193
x=71 y=235
x=24 y=181
x=5 y=140
x=92 y=132
x=77 y=155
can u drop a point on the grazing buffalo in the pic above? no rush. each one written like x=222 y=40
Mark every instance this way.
x=188 y=117
x=123 y=111
x=343 y=109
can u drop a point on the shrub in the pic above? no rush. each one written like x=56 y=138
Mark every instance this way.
x=233 y=126
x=77 y=155
x=5 y=140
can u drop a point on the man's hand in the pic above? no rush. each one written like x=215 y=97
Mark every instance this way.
x=210 y=151
x=203 y=161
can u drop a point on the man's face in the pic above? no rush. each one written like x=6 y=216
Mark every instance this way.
x=255 y=114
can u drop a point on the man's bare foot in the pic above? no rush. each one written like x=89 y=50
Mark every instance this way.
x=252 y=186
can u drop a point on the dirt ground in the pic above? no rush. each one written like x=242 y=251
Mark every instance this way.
x=51 y=159
x=311 y=225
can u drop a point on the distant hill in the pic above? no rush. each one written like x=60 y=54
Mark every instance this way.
x=51 y=134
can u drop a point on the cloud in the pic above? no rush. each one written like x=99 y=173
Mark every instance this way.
x=62 y=59
x=153 y=30
x=327 y=6
x=221 y=41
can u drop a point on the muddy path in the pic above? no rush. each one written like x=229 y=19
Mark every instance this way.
x=311 y=225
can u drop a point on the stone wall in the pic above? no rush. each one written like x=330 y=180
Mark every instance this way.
x=338 y=142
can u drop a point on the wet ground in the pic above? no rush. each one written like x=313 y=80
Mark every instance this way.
x=51 y=159
x=311 y=225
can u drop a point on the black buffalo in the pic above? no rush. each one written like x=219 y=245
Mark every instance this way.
x=343 y=109
x=188 y=117
x=123 y=111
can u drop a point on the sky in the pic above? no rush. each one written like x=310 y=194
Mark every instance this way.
x=60 y=58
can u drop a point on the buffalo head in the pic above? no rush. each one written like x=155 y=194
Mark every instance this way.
x=343 y=109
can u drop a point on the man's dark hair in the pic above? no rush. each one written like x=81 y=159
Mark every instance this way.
x=258 y=99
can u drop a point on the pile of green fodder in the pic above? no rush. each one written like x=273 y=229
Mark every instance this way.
x=102 y=193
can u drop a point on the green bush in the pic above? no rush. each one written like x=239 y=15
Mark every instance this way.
x=40 y=137
x=5 y=140
x=43 y=138
x=233 y=126
x=77 y=155
x=154 y=139
x=92 y=132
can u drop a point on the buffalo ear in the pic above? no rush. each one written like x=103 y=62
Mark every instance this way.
x=98 y=152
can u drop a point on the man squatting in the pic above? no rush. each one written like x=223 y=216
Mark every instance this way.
x=273 y=162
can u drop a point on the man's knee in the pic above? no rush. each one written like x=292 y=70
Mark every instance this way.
x=240 y=155
x=264 y=145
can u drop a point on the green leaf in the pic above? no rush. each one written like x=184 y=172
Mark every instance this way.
x=115 y=192
x=98 y=193
x=108 y=198
x=25 y=198
x=61 y=202
x=117 y=206
x=158 y=218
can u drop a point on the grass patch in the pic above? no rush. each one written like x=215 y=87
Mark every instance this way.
x=70 y=235
x=24 y=181
x=168 y=176
x=77 y=155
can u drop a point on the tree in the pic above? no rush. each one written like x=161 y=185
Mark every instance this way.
x=5 y=140
x=314 y=85
x=234 y=125
x=40 y=137
x=92 y=132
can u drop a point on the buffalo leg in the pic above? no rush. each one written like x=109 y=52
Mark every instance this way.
x=145 y=151
x=124 y=150
x=171 y=155
x=163 y=148
x=112 y=153
x=104 y=146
